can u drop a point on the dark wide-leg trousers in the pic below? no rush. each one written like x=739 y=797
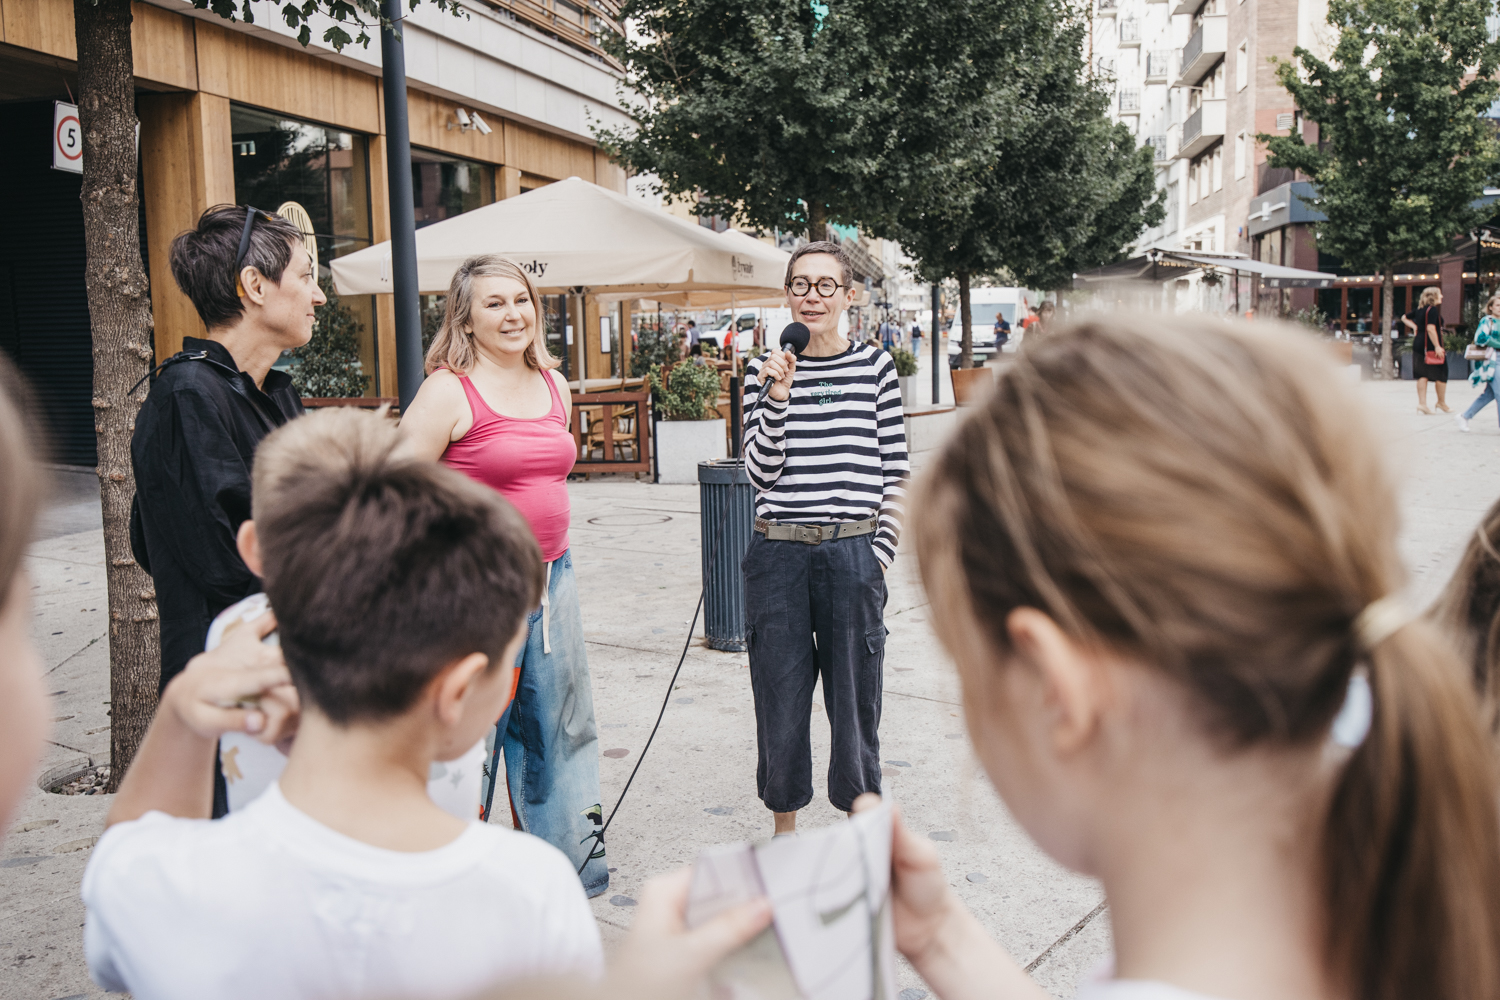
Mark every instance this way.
x=815 y=611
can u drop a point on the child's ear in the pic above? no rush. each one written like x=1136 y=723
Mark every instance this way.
x=248 y=542
x=1072 y=687
x=451 y=687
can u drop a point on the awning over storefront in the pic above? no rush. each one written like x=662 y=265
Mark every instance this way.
x=573 y=234
x=1271 y=275
x=1153 y=266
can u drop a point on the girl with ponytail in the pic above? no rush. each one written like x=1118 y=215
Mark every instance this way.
x=1162 y=554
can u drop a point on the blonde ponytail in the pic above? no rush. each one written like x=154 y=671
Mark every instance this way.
x=1410 y=848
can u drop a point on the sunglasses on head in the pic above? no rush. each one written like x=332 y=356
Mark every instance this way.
x=251 y=212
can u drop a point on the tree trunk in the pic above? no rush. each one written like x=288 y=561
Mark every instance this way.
x=120 y=314
x=817 y=220
x=1387 y=317
x=966 y=350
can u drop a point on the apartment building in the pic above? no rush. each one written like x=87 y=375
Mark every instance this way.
x=1194 y=80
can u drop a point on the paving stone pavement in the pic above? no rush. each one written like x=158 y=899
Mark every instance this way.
x=636 y=547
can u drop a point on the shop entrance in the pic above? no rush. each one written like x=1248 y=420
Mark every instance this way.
x=44 y=316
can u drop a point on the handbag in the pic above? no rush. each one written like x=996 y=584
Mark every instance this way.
x=1433 y=357
x=1476 y=353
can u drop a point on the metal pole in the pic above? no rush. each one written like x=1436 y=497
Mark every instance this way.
x=937 y=378
x=403 y=215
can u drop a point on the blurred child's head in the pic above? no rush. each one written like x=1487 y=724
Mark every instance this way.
x=1149 y=548
x=23 y=706
x=1469 y=612
x=384 y=572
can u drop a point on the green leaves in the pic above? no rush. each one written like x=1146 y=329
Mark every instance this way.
x=1404 y=148
x=363 y=13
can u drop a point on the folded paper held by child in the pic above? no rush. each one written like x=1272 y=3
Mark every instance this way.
x=831 y=936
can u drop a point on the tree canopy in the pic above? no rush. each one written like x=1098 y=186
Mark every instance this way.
x=1404 y=150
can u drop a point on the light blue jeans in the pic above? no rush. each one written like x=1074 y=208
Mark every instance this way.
x=551 y=743
x=1482 y=400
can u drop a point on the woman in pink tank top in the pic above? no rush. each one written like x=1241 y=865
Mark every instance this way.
x=494 y=408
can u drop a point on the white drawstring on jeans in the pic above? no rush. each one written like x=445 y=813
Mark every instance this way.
x=546 y=610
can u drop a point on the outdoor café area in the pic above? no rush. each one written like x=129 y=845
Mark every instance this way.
x=600 y=259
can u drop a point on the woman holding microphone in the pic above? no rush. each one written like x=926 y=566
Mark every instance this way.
x=826 y=451
x=494 y=408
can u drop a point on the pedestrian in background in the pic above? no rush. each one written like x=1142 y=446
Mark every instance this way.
x=1002 y=330
x=1482 y=377
x=495 y=408
x=1428 y=363
x=916 y=339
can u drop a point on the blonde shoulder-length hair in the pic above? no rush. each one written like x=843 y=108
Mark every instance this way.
x=453 y=347
x=1430 y=296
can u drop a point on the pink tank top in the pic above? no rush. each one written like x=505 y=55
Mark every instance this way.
x=525 y=461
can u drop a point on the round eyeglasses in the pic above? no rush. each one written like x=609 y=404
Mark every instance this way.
x=801 y=286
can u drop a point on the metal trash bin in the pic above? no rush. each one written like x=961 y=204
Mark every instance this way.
x=725 y=496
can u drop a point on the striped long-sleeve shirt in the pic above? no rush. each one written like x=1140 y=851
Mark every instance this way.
x=836 y=449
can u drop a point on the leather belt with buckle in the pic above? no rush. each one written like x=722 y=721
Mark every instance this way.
x=813 y=534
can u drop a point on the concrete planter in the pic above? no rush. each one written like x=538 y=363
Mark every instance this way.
x=682 y=444
x=908 y=390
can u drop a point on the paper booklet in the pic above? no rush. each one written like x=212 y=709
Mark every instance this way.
x=250 y=766
x=831 y=936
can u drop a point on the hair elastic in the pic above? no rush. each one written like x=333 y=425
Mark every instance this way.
x=1352 y=724
x=1380 y=620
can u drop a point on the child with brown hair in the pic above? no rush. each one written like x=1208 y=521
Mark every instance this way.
x=1162 y=555
x=400 y=589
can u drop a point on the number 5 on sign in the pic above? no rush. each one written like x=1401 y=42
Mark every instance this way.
x=67 y=138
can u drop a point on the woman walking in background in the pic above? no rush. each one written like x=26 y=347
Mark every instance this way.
x=1426 y=325
x=1483 y=376
x=494 y=408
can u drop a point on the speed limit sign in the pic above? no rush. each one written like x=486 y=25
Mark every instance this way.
x=67 y=138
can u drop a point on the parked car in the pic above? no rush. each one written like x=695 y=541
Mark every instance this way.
x=719 y=336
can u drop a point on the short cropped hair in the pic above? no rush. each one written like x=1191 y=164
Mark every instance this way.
x=382 y=571
x=821 y=246
x=202 y=259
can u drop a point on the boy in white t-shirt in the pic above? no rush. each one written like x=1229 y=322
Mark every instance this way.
x=400 y=590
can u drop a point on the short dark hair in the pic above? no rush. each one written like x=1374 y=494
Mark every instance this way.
x=821 y=246
x=202 y=258
x=382 y=570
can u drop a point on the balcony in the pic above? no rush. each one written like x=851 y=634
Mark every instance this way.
x=1130 y=33
x=1158 y=143
x=1130 y=100
x=1202 y=129
x=1158 y=62
x=1108 y=8
x=1204 y=50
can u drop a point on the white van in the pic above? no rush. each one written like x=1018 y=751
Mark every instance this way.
x=984 y=305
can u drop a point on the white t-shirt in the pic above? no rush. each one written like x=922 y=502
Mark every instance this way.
x=268 y=902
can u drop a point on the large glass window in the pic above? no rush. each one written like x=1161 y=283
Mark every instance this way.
x=326 y=171
x=443 y=186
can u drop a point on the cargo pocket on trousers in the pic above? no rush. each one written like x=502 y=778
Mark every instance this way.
x=875 y=642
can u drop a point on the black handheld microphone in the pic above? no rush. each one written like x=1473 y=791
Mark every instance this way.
x=794 y=338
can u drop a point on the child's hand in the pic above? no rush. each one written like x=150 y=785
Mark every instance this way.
x=662 y=958
x=921 y=901
x=242 y=686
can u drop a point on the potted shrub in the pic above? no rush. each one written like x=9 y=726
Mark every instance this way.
x=1453 y=353
x=690 y=429
x=906 y=374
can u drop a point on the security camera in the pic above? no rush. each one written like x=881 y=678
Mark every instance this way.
x=480 y=124
x=463 y=120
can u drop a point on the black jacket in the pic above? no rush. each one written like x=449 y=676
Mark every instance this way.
x=194 y=442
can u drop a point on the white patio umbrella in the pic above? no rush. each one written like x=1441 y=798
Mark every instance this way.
x=576 y=235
